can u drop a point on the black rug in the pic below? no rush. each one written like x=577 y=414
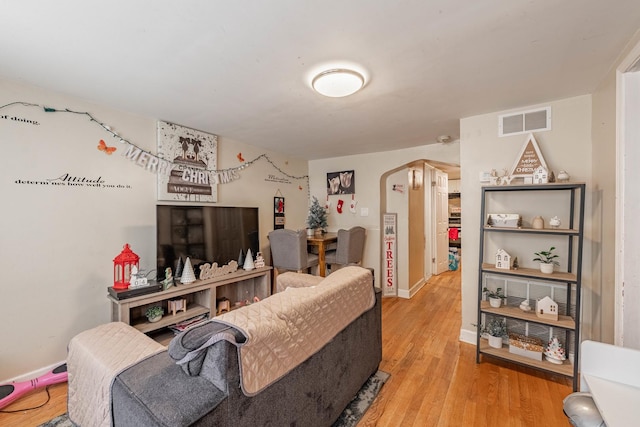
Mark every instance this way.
x=349 y=417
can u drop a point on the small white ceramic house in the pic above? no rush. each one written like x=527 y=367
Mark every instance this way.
x=503 y=259
x=540 y=175
x=546 y=308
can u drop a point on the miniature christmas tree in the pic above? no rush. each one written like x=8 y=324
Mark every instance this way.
x=554 y=351
x=248 y=261
x=179 y=268
x=188 y=276
x=317 y=218
x=241 y=258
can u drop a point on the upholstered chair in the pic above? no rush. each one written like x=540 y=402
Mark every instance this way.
x=349 y=249
x=289 y=252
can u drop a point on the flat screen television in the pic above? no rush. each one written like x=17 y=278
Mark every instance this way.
x=205 y=234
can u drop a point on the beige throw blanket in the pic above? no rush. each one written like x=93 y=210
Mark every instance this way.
x=94 y=359
x=287 y=328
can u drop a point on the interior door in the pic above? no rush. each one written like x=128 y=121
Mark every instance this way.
x=441 y=208
x=416 y=234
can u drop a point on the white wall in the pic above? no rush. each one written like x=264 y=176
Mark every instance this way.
x=369 y=168
x=567 y=146
x=58 y=242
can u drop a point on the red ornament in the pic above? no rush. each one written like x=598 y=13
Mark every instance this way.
x=122 y=265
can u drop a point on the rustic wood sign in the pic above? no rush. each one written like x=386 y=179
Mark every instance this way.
x=529 y=158
x=390 y=286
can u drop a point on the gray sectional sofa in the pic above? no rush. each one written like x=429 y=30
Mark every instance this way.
x=206 y=391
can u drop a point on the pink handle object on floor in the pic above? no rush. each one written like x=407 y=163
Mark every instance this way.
x=9 y=393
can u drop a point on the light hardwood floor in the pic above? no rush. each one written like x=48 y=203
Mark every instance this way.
x=435 y=380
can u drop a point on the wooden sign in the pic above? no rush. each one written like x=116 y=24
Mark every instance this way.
x=529 y=158
x=389 y=278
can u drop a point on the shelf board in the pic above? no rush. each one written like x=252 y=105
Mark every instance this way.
x=534 y=273
x=565 y=369
x=528 y=230
x=163 y=336
x=199 y=285
x=168 y=319
x=535 y=187
x=565 y=322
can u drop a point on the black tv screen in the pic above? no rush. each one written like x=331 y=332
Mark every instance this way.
x=205 y=234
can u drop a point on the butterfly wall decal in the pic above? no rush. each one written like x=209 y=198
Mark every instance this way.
x=102 y=146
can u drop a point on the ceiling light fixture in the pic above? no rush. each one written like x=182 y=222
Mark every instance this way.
x=338 y=82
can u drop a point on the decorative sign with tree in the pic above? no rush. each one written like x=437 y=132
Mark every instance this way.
x=389 y=270
x=192 y=154
x=529 y=159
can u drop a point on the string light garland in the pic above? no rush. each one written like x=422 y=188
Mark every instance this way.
x=141 y=157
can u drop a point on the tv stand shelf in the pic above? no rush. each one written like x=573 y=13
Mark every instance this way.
x=201 y=297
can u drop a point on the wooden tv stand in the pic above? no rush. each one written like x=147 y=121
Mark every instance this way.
x=200 y=295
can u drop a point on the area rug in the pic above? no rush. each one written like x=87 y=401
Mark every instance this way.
x=349 y=417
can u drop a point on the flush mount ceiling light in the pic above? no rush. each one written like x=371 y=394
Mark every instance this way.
x=338 y=82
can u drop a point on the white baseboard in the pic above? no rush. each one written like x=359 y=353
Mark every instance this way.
x=33 y=374
x=468 y=336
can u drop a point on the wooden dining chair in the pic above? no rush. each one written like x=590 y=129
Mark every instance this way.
x=349 y=249
x=289 y=252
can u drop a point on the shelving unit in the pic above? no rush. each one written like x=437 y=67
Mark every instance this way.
x=526 y=283
x=455 y=219
x=201 y=298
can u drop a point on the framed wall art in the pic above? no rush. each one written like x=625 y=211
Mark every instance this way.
x=191 y=154
x=341 y=182
x=278 y=212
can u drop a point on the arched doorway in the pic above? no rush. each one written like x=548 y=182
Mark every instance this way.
x=422 y=220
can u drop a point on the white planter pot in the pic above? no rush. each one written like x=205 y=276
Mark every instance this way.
x=546 y=268
x=495 y=302
x=495 y=342
x=154 y=319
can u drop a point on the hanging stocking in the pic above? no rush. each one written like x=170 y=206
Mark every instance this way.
x=339 y=207
x=352 y=205
x=327 y=205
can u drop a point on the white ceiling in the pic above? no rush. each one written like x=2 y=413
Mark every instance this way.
x=241 y=69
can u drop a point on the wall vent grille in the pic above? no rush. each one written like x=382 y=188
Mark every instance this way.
x=524 y=122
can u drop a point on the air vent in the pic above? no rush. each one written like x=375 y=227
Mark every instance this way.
x=524 y=122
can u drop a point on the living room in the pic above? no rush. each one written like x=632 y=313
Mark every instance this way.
x=60 y=240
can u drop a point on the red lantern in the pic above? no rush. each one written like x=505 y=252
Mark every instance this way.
x=122 y=265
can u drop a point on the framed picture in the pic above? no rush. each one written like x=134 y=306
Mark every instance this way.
x=278 y=213
x=341 y=182
x=192 y=154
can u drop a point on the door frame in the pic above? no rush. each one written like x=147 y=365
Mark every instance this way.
x=385 y=189
x=625 y=269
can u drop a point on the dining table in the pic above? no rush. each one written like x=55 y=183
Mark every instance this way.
x=321 y=242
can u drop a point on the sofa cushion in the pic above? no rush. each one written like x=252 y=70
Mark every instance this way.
x=155 y=392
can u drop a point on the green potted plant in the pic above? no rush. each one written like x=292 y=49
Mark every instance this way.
x=495 y=297
x=547 y=260
x=494 y=329
x=317 y=219
x=154 y=313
